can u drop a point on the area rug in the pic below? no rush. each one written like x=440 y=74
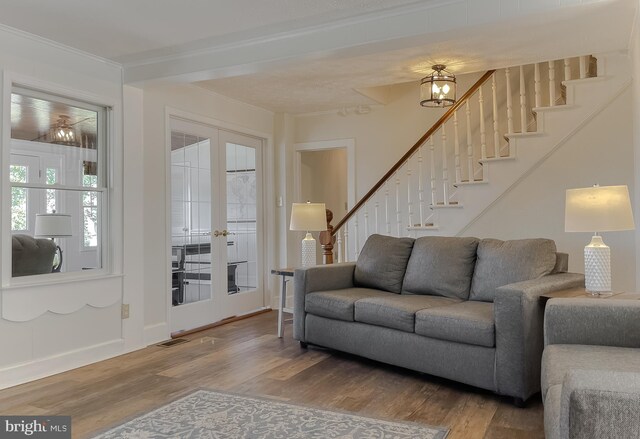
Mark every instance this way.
x=214 y=415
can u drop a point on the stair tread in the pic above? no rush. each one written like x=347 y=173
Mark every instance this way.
x=441 y=205
x=426 y=226
x=527 y=134
x=472 y=182
x=554 y=108
x=584 y=80
x=498 y=159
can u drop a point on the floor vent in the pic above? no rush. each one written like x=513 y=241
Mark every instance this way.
x=175 y=341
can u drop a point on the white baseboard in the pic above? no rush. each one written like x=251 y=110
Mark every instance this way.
x=156 y=333
x=25 y=372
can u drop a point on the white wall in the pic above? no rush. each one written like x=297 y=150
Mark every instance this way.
x=66 y=324
x=600 y=153
x=381 y=136
x=635 y=93
x=202 y=105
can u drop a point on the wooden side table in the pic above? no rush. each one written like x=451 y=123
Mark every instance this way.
x=284 y=273
x=582 y=292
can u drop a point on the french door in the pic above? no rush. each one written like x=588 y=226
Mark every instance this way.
x=216 y=225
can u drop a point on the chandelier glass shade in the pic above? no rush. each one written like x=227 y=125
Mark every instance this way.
x=63 y=132
x=439 y=88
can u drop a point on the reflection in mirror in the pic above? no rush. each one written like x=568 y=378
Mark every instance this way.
x=57 y=184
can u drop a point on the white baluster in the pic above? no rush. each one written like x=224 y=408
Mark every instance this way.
x=386 y=210
x=356 y=247
x=432 y=153
x=536 y=79
x=496 y=127
x=398 y=212
x=420 y=186
x=346 y=243
x=339 y=244
x=507 y=74
x=567 y=69
x=409 y=203
x=523 y=102
x=366 y=220
x=583 y=66
x=456 y=150
x=483 y=131
x=377 y=206
x=469 y=145
x=445 y=167
x=552 y=83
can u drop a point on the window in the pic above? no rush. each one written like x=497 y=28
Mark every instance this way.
x=89 y=209
x=18 y=174
x=57 y=173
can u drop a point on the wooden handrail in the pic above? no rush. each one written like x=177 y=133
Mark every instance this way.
x=413 y=149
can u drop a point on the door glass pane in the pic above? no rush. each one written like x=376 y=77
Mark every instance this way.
x=242 y=249
x=190 y=218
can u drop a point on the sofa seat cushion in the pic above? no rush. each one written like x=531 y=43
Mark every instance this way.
x=382 y=263
x=396 y=312
x=465 y=322
x=441 y=266
x=500 y=263
x=558 y=359
x=338 y=304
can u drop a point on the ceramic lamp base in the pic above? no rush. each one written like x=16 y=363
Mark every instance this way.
x=308 y=251
x=597 y=266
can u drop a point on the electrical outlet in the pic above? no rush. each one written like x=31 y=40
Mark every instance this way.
x=125 y=311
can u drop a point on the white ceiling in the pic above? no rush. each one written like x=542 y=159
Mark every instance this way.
x=313 y=55
x=117 y=29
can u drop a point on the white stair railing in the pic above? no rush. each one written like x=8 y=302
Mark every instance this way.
x=403 y=187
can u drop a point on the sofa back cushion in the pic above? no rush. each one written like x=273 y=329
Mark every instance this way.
x=441 y=266
x=382 y=263
x=503 y=262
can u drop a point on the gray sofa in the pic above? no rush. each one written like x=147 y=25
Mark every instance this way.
x=31 y=255
x=459 y=308
x=591 y=369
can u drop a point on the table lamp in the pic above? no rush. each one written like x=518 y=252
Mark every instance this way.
x=308 y=217
x=53 y=225
x=598 y=209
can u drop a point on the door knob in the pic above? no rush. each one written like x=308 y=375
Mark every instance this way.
x=217 y=233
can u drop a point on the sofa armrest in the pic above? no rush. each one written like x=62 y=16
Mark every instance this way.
x=318 y=278
x=593 y=321
x=600 y=404
x=519 y=316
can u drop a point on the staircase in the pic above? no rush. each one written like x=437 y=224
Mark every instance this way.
x=508 y=123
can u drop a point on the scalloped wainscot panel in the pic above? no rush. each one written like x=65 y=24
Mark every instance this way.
x=24 y=303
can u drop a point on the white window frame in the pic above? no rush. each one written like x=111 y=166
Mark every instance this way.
x=109 y=182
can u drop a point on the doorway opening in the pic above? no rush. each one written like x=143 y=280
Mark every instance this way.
x=325 y=174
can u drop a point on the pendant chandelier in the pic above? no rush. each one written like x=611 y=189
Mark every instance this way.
x=439 y=88
x=63 y=132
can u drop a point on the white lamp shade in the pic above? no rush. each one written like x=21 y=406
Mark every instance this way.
x=53 y=225
x=308 y=217
x=598 y=209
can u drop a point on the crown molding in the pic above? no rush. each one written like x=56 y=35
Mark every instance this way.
x=54 y=44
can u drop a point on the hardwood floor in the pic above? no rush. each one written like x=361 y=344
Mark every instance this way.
x=246 y=357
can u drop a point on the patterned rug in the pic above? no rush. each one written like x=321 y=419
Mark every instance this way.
x=213 y=415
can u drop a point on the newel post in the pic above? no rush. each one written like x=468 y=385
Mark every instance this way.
x=327 y=240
